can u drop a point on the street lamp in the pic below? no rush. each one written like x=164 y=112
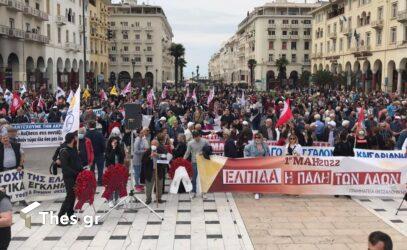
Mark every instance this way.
x=197 y=72
x=156 y=78
x=133 y=62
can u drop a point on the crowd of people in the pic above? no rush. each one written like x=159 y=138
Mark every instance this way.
x=242 y=118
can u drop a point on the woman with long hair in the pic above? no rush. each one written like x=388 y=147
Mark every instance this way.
x=114 y=155
x=293 y=147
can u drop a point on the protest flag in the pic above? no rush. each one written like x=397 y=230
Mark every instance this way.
x=286 y=114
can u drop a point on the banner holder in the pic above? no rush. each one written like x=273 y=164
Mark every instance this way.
x=401 y=204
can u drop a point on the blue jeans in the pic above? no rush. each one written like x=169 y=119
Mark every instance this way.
x=100 y=163
x=194 y=176
x=137 y=171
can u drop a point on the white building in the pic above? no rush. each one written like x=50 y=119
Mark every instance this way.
x=41 y=42
x=64 y=53
x=22 y=41
x=274 y=30
x=140 y=45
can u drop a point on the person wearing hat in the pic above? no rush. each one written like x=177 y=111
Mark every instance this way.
x=361 y=141
x=71 y=167
x=161 y=124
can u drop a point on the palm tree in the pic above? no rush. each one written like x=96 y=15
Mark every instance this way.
x=323 y=78
x=182 y=64
x=281 y=64
x=251 y=64
x=177 y=50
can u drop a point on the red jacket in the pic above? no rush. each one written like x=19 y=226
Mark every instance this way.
x=89 y=151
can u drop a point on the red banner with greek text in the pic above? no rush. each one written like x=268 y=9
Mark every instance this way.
x=304 y=175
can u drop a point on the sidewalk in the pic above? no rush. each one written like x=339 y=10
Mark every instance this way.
x=311 y=222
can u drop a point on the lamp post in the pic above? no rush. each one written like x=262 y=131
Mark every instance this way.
x=156 y=79
x=192 y=75
x=197 y=73
x=133 y=63
x=145 y=76
x=84 y=41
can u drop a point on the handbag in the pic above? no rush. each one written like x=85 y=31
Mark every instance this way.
x=53 y=168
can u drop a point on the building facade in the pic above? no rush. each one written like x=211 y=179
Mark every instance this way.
x=366 y=40
x=139 y=47
x=41 y=43
x=23 y=38
x=272 y=31
x=99 y=43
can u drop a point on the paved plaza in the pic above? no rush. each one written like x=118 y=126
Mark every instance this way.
x=220 y=221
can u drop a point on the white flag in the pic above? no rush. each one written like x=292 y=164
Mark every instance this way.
x=71 y=123
x=60 y=93
x=68 y=100
x=22 y=89
x=1 y=89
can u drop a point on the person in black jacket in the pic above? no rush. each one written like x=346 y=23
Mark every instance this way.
x=71 y=168
x=6 y=219
x=147 y=161
x=98 y=144
x=344 y=147
x=115 y=154
x=230 y=146
x=181 y=147
x=11 y=154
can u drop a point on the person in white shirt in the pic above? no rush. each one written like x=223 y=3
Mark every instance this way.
x=188 y=131
x=404 y=147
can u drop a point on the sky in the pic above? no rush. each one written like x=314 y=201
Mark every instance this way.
x=202 y=25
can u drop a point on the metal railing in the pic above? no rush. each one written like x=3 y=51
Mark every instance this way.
x=17 y=33
x=16 y=5
x=61 y=20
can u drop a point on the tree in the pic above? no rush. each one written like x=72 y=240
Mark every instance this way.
x=251 y=64
x=281 y=64
x=182 y=64
x=305 y=77
x=324 y=78
x=177 y=50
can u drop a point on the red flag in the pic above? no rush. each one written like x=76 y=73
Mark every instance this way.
x=41 y=103
x=16 y=103
x=285 y=115
x=361 y=118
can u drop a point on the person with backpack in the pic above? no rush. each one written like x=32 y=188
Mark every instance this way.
x=6 y=219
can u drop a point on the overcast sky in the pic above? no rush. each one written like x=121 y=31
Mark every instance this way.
x=202 y=25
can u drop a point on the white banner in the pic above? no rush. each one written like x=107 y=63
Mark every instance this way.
x=380 y=154
x=30 y=186
x=306 y=151
x=39 y=135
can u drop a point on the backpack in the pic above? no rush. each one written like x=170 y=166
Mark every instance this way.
x=53 y=168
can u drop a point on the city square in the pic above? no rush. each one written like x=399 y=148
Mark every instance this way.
x=265 y=124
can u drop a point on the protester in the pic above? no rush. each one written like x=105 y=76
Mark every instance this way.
x=230 y=145
x=71 y=167
x=194 y=148
x=293 y=147
x=140 y=146
x=181 y=147
x=114 y=155
x=98 y=145
x=267 y=130
x=379 y=241
x=6 y=219
x=86 y=153
x=154 y=172
x=11 y=153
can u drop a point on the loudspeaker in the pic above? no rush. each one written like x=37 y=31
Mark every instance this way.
x=133 y=116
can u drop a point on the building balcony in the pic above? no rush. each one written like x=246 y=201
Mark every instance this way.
x=285 y=37
x=137 y=41
x=17 y=33
x=61 y=20
x=148 y=29
x=125 y=28
x=149 y=41
x=306 y=62
x=36 y=38
x=272 y=25
x=294 y=37
x=346 y=31
x=4 y=30
x=137 y=28
x=295 y=26
x=285 y=26
x=36 y=13
x=70 y=46
x=3 y=2
x=377 y=24
x=307 y=26
x=307 y=37
x=364 y=48
x=16 y=5
x=332 y=35
x=272 y=37
x=125 y=63
x=112 y=63
x=113 y=27
x=402 y=16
